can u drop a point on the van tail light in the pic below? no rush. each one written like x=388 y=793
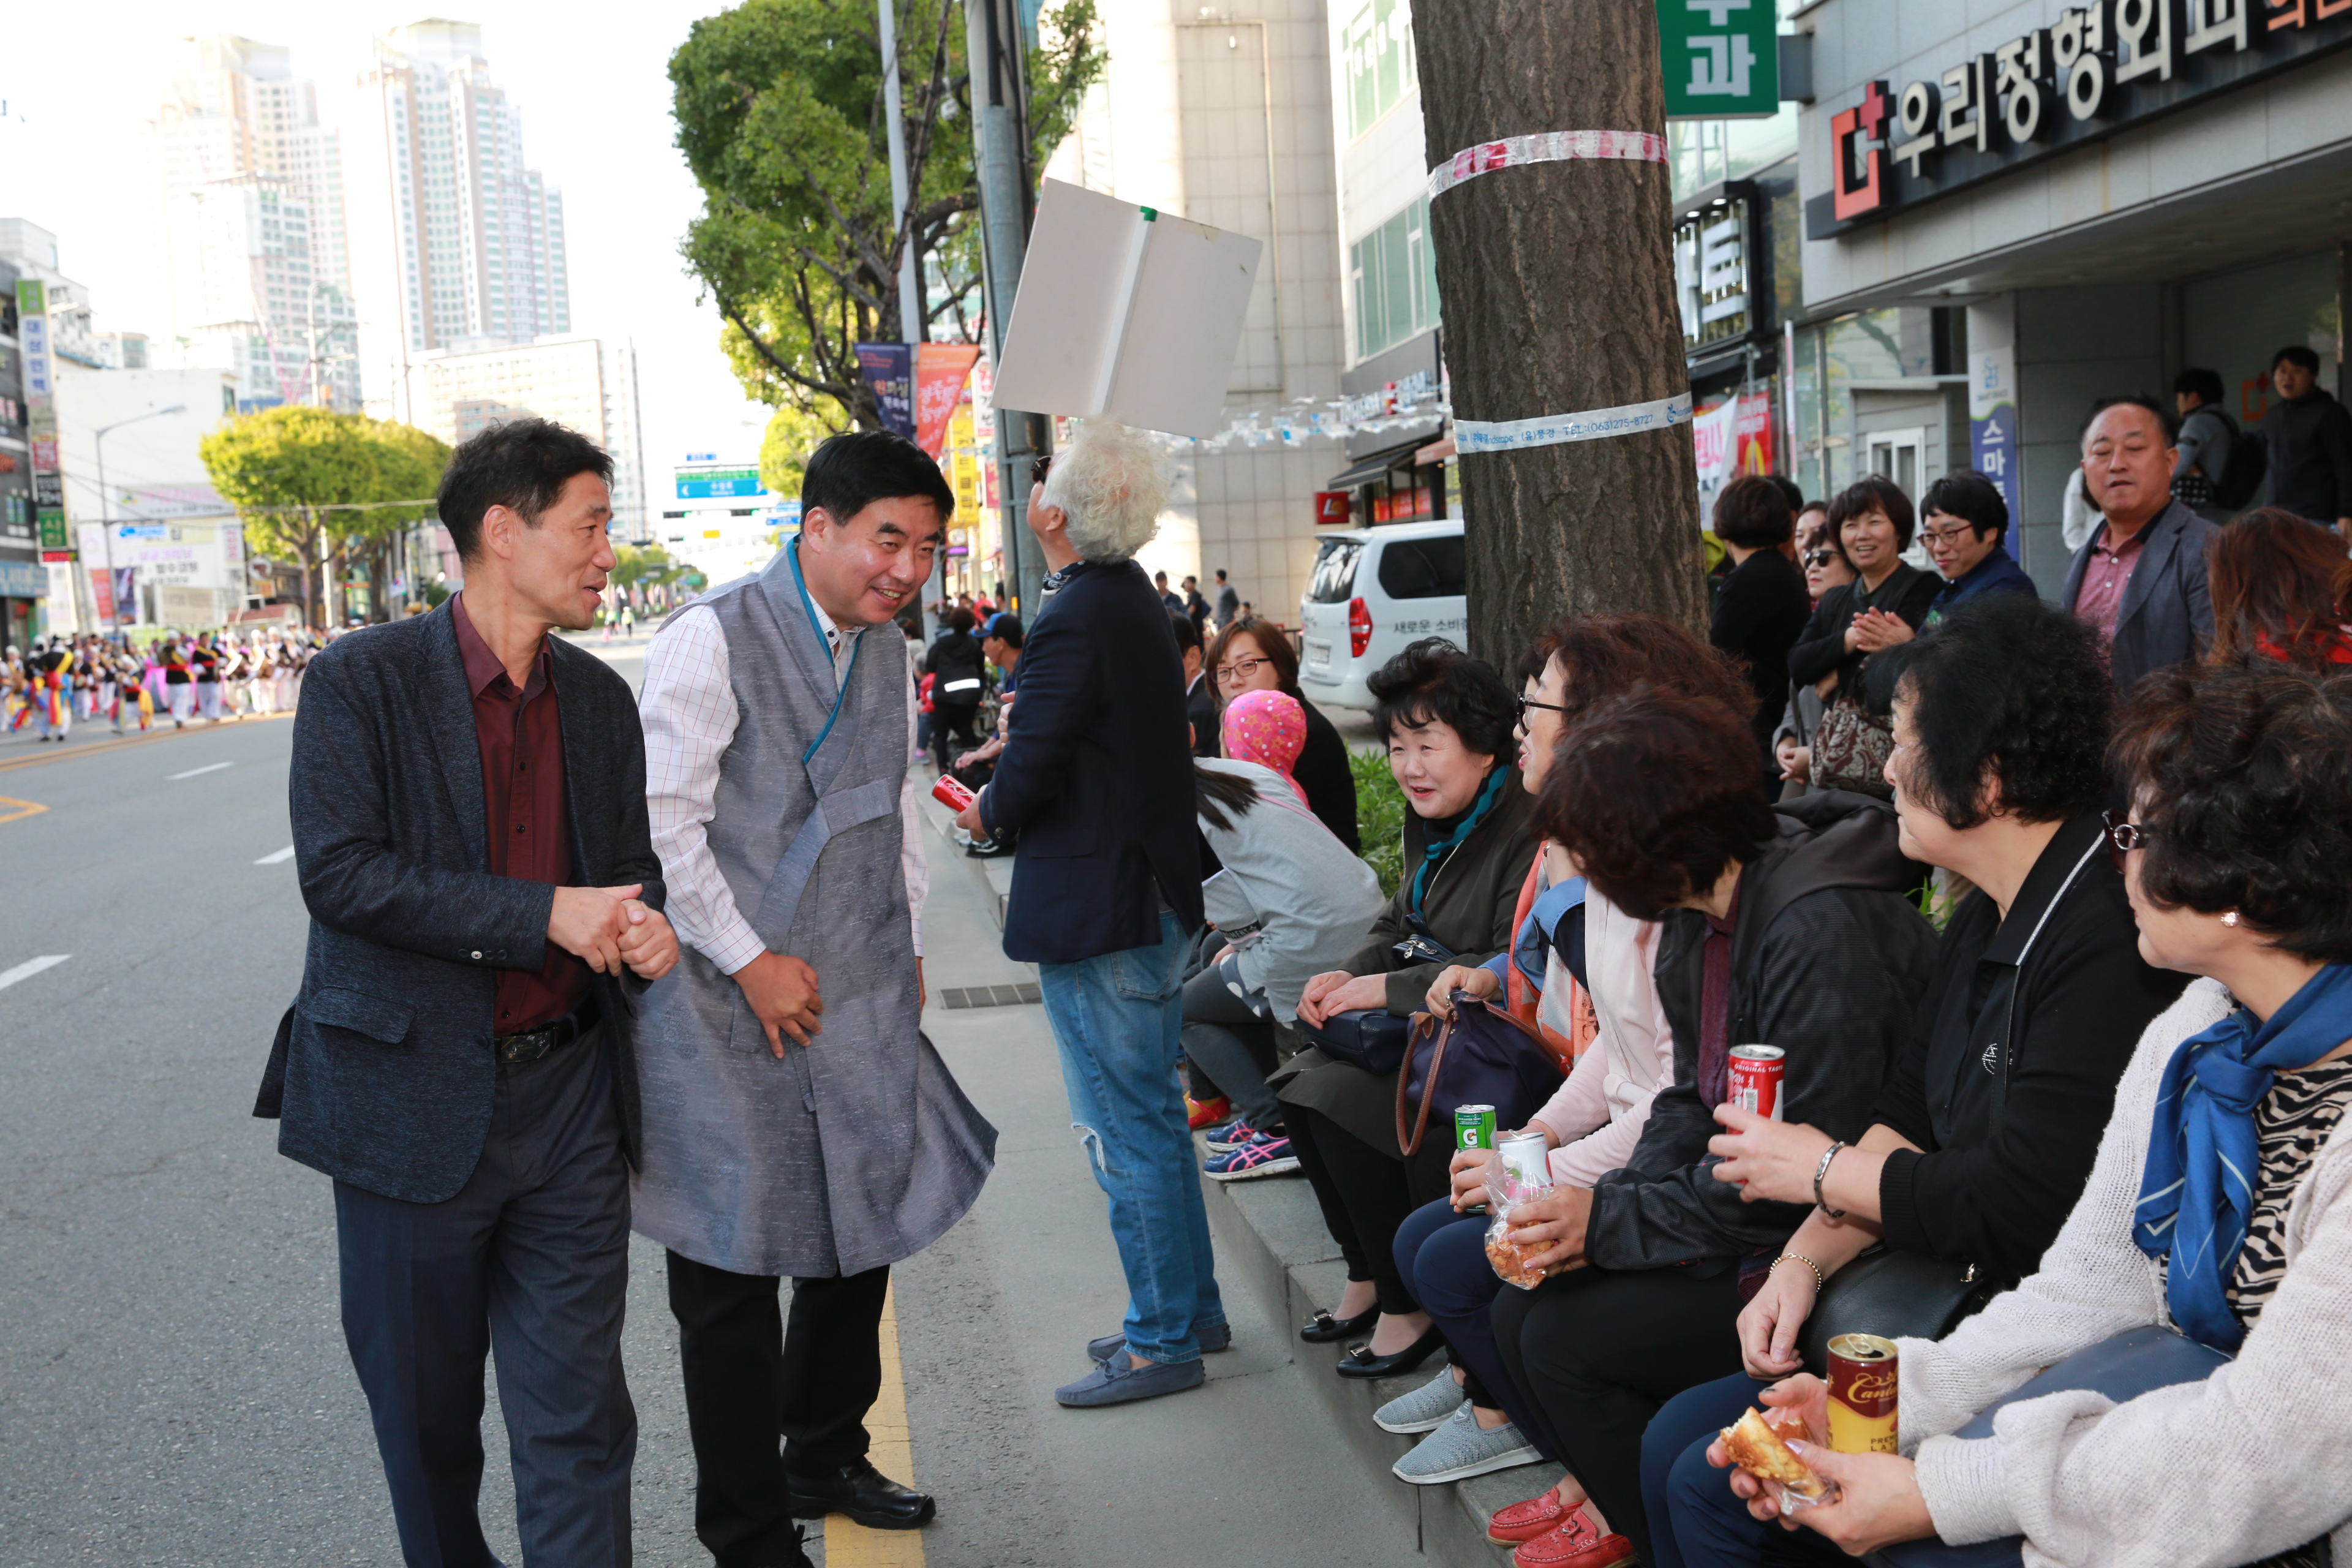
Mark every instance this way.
x=1359 y=628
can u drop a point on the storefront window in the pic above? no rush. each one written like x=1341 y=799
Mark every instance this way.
x=1394 y=273
x=1381 y=66
x=1830 y=355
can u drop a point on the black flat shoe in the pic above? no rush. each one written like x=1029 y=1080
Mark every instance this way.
x=1362 y=1363
x=1323 y=1329
x=862 y=1492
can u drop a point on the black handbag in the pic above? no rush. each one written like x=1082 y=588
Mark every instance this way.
x=1374 y=1038
x=1895 y=1294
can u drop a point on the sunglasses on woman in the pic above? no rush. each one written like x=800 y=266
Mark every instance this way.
x=1819 y=557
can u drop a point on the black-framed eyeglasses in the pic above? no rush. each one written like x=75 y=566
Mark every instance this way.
x=1527 y=702
x=1037 y=468
x=2123 y=837
x=1237 y=669
x=1819 y=557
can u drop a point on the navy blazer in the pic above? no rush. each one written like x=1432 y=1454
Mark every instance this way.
x=382 y=1071
x=1096 y=775
x=2167 y=615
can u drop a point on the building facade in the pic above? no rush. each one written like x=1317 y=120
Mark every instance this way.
x=457 y=240
x=585 y=382
x=1226 y=117
x=2014 y=209
x=255 y=228
x=22 y=583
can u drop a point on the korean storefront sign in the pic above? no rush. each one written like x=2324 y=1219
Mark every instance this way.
x=1711 y=250
x=2102 y=68
x=1721 y=58
x=41 y=418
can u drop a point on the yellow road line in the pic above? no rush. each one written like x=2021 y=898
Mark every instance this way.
x=847 y=1543
x=23 y=808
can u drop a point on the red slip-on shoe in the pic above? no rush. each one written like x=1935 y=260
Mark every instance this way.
x=1575 y=1544
x=1199 y=1113
x=1525 y=1520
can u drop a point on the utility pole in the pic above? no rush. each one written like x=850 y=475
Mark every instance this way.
x=1559 y=282
x=910 y=292
x=996 y=47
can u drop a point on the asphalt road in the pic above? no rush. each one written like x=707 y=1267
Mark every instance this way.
x=174 y=1388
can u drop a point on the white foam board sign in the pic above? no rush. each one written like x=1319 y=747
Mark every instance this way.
x=1128 y=312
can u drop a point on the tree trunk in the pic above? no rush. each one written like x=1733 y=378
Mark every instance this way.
x=1559 y=287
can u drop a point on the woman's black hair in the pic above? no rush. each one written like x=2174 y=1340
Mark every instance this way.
x=1872 y=492
x=1216 y=792
x=1433 y=680
x=1973 y=499
x=2009 y=683
x=962 y=620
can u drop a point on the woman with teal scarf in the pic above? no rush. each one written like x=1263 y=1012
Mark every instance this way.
x=2221 y=1205
x=1448 y=723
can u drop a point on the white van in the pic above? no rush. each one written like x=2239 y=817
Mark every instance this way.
x=1374 y=591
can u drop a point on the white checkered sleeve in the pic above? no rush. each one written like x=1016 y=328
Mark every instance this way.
x=688 y=712
x=913 y=862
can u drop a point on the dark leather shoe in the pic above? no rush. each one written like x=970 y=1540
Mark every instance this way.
x=1362 y=1363
x=1323 y=1329
x=862 y=1492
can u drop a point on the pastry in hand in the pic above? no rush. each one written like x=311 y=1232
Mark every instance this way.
x=1761 y=1448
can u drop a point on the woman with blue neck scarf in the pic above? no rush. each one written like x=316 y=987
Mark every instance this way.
x=1448 y=720
x=2220 y=1204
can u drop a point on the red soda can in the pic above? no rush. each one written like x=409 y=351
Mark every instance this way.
x=1755 y=1085
x=952 y=792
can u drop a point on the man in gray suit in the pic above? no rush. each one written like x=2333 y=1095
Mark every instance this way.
x=2141 y=578
x=469 y=828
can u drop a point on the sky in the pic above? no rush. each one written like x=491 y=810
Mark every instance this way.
x=80 y=82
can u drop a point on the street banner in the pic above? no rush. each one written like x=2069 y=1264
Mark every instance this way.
x=888 y=369
x=1721 y=58
x=1992 y=419
x=1734 y=438
x=1125 y=311
x=940 y=369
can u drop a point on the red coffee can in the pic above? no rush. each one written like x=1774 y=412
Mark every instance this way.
x=1756 y=1073
x=952 y=792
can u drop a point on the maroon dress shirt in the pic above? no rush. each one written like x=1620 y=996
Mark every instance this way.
x=2105 y=577
x=530 y=828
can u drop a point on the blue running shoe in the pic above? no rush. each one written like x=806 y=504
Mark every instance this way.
x=1262 y=1156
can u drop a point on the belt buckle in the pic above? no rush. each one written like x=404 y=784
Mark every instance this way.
x=528 y=1046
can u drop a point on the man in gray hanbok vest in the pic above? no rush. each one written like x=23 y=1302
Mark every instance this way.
x=796 y=1120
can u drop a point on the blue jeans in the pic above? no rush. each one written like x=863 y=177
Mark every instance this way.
x=1442 y=1257
x=1696 y=1521
x=1115 y=1021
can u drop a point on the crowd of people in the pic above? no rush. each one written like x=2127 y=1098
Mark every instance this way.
x=2041 y=905
x=176 y=679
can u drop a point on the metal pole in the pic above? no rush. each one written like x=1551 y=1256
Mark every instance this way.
x=999 y=129
x=106 y=536
x=910 y=295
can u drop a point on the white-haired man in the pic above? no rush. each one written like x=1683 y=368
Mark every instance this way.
x=1096 y=777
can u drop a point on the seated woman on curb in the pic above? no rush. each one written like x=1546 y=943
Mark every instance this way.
x=1289 y=902
x=2001 y=723
x=1781 y=924
x=1475 y=1418
x=2220 y=1204
x=1467 y=846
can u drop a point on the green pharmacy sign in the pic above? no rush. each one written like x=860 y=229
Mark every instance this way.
x=1722 y=58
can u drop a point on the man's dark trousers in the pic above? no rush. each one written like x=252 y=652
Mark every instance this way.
x=530 y=1259
x=824 y=1372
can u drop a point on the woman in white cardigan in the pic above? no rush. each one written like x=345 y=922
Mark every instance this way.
x=2241 y=830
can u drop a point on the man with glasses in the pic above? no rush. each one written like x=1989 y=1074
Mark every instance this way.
x=2140 y=579
x=1965 y=526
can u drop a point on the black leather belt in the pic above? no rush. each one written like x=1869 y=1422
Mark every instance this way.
x=530 y=1044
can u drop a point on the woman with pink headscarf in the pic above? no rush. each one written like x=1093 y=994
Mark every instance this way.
x=1288 y=903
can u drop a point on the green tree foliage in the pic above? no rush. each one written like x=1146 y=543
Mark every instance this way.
x=310 y=485
x=778 y=111
x=793 y=434
x=647 y=566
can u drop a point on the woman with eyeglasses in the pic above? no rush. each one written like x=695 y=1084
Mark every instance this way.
x=1982 y=1138
x=2220 y=1205
x=1252 y=655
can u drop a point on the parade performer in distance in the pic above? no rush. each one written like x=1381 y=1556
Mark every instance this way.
x=797 y=1123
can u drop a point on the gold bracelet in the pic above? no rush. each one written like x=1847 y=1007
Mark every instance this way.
x=1820 y=1279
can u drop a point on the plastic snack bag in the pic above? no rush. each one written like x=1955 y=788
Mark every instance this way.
x=1512 y=1181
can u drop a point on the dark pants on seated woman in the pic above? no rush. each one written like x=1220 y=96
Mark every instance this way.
x=1442 y=1257
x=1598 y=1351
x=1696 y=1521
x=1365 y=1197
x=1230 y=1044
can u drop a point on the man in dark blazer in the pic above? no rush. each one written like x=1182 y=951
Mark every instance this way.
x=1097 y=776
x=2141 y=578
x=470 y=826
x=1199 y=691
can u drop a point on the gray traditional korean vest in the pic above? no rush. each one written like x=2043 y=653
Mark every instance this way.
x=859 y=1149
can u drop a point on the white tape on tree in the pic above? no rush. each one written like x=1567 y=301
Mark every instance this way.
x=1557 y=429
x=1545 y=147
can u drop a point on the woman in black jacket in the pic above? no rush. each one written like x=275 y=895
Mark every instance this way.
x=954 y=663
x=1762 y=606
x=1253 y=655
x=1870 y=524
x=2001 y=720
x=1781 y=924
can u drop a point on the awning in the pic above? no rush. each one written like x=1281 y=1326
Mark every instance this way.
x=1437 y=452
x=1366 y=471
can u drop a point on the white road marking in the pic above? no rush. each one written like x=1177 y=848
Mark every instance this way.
x=192 y=772
x=31 y=967
x=277 y=858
